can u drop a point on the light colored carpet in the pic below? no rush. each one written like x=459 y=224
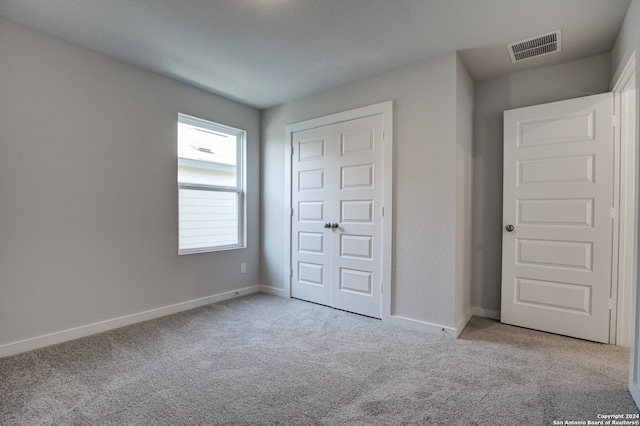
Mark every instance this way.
x=264 y=360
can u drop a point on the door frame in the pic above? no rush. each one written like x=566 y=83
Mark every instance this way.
x=623 y=77
x=386 y=110
x=624 y=174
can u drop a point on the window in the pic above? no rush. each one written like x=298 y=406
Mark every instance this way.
x=210 y=186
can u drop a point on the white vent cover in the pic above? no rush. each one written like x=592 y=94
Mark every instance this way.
x=537 y=46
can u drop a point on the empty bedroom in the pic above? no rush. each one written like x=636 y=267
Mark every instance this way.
x=296 y=212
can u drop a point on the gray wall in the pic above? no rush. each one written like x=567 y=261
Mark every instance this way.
x=425 y=138
x=492 y=97
x=88 y=198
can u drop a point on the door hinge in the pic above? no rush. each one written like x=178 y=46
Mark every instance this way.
x=291 y=214
x=382 y=211
x=612 y=304
x=292 y=150
x=381 y=287
x=615 y=121
x=290 y=272
x=614 y=213
x=383 y=135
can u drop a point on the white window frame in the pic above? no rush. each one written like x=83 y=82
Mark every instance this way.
x=239 y=189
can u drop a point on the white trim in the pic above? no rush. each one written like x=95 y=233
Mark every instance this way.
x=486 y=313
x=110 y=324
x=615 y=221
x=387 y=205
x=634 y=367
x=217 y=128
x=621 y=274
x=386 y=109
x=272 y=290
x=627 y=76
x=426 y=327
x=288 y=212
x=463 y=323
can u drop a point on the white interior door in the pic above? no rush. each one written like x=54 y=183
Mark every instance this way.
x=311 y=205
x=337 y=215
x=356 y=243
x=557 y=214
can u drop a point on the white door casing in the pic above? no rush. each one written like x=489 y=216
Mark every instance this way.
x=624 y=87
x=337 y=215
x=624 y=106
x=558 y=196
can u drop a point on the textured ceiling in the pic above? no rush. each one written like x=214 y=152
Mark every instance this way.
x=267 y=52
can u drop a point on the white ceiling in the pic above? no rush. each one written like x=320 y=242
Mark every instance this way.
x=267 y=52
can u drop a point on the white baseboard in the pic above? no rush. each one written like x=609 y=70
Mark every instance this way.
x=272 y=290
x=426 y=327
x=98 y=327
x=486 y=313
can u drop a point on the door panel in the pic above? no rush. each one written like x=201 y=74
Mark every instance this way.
x=337 y=179
x=558 y=194
x=550 y=212
x=555 y=295
x=559 y=129
x=556 y=170
x=555 y=254
x=309 y=198
x=358 y=247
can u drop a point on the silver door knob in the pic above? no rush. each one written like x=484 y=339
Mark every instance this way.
x=509 y=228
x=327 y=225
x=334 y=225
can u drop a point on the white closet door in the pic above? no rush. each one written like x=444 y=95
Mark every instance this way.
x=337 y=215
x=311 y=205
x=357 y=194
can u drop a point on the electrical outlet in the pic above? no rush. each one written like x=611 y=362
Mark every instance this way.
x=243 y=268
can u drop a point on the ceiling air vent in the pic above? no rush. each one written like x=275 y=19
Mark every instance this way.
x=536 y=46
